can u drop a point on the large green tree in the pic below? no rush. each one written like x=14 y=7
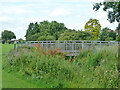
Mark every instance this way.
x=93 y=26
x=8 y=35
x=45 y=30
x=113 y=9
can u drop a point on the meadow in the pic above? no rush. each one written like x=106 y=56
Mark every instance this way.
x=40 y=68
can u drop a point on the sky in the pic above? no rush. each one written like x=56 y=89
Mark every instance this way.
x=16 y=15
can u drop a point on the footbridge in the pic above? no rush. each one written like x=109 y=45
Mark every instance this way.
x=71 y=47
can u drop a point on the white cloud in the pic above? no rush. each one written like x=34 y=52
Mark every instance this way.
x=37 y=19
x=80 y=1
x=60 y=12
x=14 y=1
x=106 y=23
x=15 y=10
x=84 y=1
x=6 y=19
x=76 y=26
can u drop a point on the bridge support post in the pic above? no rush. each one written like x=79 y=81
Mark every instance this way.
x=66 y=45
x=58 y=44
x=100 y=44
x=42 y=44
x=82 y=44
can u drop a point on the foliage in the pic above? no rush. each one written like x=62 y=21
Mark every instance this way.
x=7 y=35
x=106 y=35
x=75 y=35
x=91 y=69
x=118 y=37
x=43 y=38
x=118 y=28
x=44 y=29
x=113 y=9
x=38 y=65
x=49 y=52
x=57 y=31
x=98 y=68
x=20 y=40
x=112 y=34
x=93 y=26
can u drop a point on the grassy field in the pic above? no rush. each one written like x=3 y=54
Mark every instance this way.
x=13 y=79
x=36 y=68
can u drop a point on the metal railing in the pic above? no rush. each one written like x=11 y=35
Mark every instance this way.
x=71 y=46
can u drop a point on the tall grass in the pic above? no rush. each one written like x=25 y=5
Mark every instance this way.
x=88 y=70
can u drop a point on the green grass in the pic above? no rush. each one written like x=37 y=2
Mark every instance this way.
x=13 y=79
x=7 y=47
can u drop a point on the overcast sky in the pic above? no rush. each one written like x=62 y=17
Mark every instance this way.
x=15 y=15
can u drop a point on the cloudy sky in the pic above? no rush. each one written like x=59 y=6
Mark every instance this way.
x=15 y=15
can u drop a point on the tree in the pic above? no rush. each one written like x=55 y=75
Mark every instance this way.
x=8 y=35
x=107 y=34
x=104 y=34
x=112 y=34
x=29 y=30
x=75 y=35
x=43 y=38
x=45 y=29
x=20 y=40
x=113 y=9
x=93 y=26
x=69 y=35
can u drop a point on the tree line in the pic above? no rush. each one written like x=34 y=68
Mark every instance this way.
x=54 y=31
x=46 y=30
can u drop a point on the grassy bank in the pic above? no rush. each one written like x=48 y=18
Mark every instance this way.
x=48 y=68
x=13 y=79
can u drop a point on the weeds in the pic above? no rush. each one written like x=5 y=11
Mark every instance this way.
x=89 y=69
